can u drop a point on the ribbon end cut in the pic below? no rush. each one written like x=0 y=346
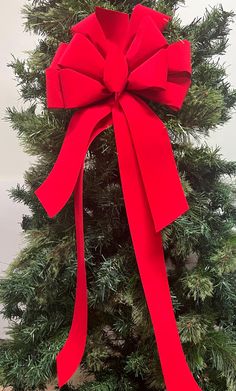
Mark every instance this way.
x=43 y=199
x=62 y=379
x=160 y=225
x=67 y=362
x=64 y=369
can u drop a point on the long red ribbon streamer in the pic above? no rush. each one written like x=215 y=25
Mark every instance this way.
x=128 y=113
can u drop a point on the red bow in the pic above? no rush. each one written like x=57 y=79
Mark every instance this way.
x=112 y=61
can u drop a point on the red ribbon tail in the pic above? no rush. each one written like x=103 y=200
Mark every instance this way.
x=156 y=162
x=148 y=249
x=70 y=356
x=66 y=177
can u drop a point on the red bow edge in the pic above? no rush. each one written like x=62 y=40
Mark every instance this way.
x=112 y=62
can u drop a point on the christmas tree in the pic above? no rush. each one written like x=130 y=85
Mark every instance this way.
x=200 y=247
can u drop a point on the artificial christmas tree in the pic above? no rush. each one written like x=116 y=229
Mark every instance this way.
x=199 y=247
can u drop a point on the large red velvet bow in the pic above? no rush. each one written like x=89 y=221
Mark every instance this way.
x=112 y=61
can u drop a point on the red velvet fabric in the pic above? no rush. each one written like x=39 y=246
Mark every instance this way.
x=112 y=62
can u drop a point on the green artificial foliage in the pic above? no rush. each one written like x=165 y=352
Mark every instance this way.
x=37 y=293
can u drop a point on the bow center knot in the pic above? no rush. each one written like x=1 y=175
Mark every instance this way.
x=116 y=70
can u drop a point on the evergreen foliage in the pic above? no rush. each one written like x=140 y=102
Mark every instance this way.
x=200 y=248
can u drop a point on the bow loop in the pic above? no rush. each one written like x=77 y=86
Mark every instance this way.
x=90 y=27
x=114 y=25
x=151 y=74
x=79 y=90
x=116 y=70
x=179 y=58
x=140 y=12
x=73 y=57
x=54 y=93
x=147 y=40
